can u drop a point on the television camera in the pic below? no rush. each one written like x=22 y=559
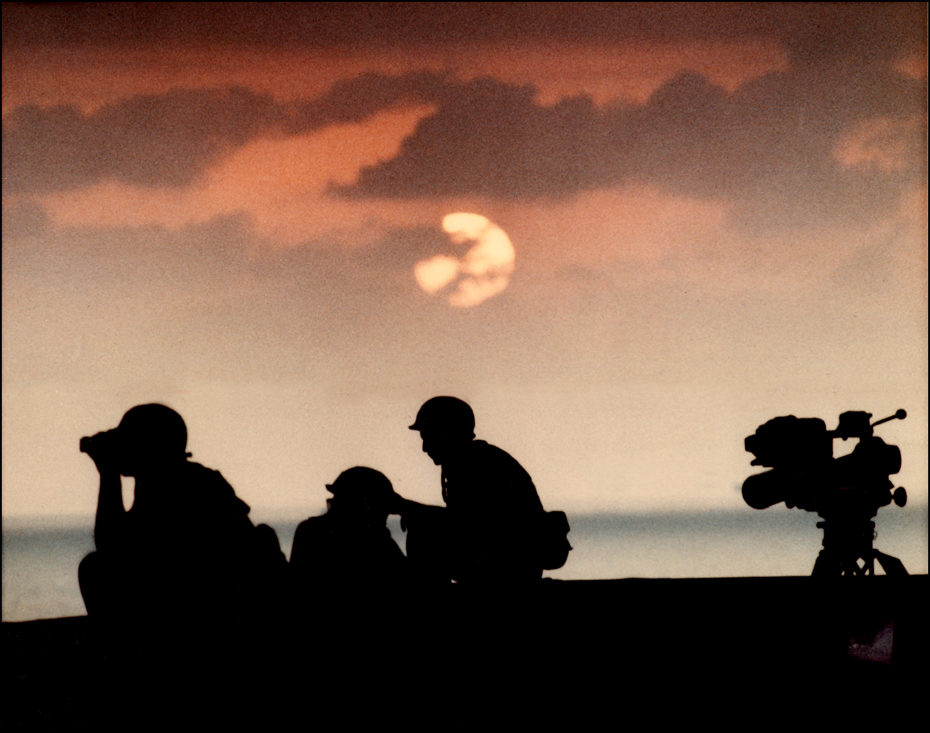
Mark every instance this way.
x=846 y=492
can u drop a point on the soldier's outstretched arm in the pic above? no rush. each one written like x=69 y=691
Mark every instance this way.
x=409 y=510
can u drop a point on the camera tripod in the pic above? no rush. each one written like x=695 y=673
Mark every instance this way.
x=847 y=550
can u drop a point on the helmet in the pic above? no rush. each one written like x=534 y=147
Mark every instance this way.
x=362 y=484
x=446 y=415
x=156 y=428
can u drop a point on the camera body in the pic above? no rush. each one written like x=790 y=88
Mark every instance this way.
x=804 y=473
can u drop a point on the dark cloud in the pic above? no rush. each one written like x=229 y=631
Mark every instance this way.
x=771 y=146
x=492 y=138
x=164 y=140
x=169 y=140
x=771 y=143
x=356 y=99
x=815 y=33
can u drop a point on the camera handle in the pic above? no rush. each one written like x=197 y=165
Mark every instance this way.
x=899 y=415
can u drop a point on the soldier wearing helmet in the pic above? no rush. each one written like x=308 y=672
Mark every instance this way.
x=186 y=542
x=486 y=532
x=350 y=546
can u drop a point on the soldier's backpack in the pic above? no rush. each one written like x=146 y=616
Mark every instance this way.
x=553 y=540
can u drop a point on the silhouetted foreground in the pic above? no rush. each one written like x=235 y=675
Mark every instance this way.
x=353 y=632
x=187 y=545
x=460 y=650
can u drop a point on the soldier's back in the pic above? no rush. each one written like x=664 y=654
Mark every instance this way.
x=329 y=551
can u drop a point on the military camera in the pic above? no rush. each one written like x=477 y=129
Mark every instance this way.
x=846 y=492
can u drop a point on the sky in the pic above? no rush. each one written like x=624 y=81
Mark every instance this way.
x=677 y=221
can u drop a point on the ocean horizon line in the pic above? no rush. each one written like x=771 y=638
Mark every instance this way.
x=268 y=514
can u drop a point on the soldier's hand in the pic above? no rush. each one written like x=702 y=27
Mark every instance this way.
x=102 y=452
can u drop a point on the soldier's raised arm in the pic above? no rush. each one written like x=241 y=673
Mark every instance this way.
x=111 y=513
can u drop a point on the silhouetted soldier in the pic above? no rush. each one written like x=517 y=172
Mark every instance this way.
x=346 y=574
x=488 y=532
x=349 y=547
x=186 y=549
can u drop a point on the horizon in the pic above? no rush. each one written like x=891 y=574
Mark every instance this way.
x=40 y=579
x=298 y=513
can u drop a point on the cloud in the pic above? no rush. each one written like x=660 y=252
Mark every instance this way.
x=169 y=140
x=883 y=142
x=493 y=139
x=358 y=98
x=769 y=145
x=154 y=141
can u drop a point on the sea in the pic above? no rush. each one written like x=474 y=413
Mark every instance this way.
x=41 y=556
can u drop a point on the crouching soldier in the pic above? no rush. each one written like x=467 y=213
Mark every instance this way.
x=488 y=532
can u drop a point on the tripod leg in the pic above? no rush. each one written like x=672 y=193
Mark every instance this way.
x=826 y=565
x=891 y=565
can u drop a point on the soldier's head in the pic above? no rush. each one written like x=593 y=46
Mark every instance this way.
x=149 y=437
x=445 y=424
x=362 y=490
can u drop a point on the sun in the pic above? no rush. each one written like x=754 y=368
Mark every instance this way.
x=481 y=272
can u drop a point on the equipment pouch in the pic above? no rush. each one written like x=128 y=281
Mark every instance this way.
x=554 y=546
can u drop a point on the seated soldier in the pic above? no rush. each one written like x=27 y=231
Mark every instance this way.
x=346 y=574
x=349 y=547
x=186 y=549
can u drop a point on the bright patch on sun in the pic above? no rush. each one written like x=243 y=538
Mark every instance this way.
x=481 y=272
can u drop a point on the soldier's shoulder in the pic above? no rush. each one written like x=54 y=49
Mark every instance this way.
x=484 y=451
x=199 y=472
x=211 y=486
x=482 y=447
